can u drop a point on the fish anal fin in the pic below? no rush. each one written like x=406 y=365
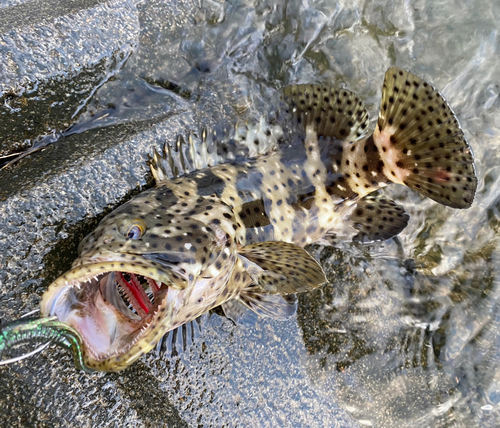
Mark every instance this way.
x=281 y=267
x=337 y=113
x=373 y=218
x=421 y=143
x=377 y=218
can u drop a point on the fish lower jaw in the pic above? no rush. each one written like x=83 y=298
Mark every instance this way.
x=116 y=351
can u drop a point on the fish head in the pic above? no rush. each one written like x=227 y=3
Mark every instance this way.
x=154 y=263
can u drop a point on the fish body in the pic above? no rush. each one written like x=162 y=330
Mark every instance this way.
x=231 y=228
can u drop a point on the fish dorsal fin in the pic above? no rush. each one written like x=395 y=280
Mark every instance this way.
x=377 y=218
x=281 y=267
x=252 y=303
x=213 y=147
x=337 y=113
x=421 y=142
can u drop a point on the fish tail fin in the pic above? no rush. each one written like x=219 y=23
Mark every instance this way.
x=421 y=143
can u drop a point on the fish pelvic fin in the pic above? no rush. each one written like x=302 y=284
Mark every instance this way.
x=336 y=113
x=181 y=339
x=252 y=303
x=421 y=143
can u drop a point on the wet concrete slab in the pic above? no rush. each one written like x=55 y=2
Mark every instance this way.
x=44 y=216
x=53 y=57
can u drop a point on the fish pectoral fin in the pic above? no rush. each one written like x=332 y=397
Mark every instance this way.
x=337 y=113
x=420 y=141
x=377 y=218
x=252 y=303
x=281 y=267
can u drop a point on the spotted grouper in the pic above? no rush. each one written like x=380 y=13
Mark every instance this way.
x=228 y=219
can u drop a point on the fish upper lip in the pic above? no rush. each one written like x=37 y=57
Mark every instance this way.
x=123 y=263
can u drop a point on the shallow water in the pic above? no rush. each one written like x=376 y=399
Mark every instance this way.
x=407 y=332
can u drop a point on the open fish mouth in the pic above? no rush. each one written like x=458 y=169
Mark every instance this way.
x=118 y=313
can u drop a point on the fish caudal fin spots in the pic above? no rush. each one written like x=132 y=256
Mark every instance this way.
x=421 y=143
x=281 y=267
x=377 y=218
x=337 y=113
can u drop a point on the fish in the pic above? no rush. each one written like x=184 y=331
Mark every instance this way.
x=230 y=215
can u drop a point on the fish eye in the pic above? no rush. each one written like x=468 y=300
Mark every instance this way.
x=134 y=229
x=134 y=232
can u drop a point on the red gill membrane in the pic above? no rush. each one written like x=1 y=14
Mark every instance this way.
x=135 y=293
